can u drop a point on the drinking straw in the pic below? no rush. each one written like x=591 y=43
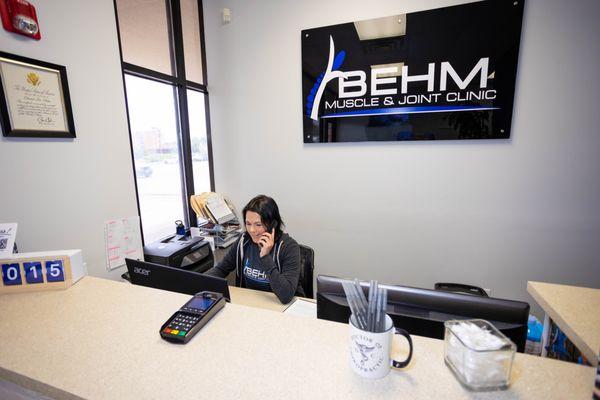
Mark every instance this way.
x=378 y=311
x=360 y=296
x=370 y=314
x=354 y=307
x=350 y=299
x=383 y=308
x=374 y=307
x=371 y=304
x=360 y=293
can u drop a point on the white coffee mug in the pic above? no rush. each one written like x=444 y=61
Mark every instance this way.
x=370 y=351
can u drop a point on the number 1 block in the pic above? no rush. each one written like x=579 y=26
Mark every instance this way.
x=33 y=272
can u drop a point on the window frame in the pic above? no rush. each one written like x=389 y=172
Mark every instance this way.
x=181 y=85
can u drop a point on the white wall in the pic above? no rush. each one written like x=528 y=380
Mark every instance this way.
x=490 y=213
x=61 y=191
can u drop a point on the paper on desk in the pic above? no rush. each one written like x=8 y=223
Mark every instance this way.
x=123 y=240
x=219 y=209
x=303 y=308
x=8 y=233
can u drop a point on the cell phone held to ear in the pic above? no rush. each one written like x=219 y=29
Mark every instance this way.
x=271 y=226
x=268 y=229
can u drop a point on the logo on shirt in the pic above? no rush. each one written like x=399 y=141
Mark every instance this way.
x=255 y=274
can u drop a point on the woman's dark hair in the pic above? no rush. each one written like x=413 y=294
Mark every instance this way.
x=268 y=211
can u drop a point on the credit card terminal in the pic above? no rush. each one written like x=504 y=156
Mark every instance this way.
x=190 y=318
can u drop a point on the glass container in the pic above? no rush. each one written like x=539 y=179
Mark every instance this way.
x=478 y=354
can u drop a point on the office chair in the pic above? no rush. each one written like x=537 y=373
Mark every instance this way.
x=307 y=266
x=460 y=288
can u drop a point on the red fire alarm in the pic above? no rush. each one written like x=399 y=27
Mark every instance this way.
x=19 y=16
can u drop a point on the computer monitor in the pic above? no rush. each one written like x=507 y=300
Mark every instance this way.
x=423 y=312
x=174 y=279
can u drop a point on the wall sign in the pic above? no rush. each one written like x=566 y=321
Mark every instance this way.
x=441 y=74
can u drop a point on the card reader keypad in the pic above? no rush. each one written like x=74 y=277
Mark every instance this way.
x=195 y=314
x=181 y=324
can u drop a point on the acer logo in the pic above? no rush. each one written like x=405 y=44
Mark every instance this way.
x=141 y=271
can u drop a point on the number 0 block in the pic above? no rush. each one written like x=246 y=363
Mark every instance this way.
x=52 y=270
x=11 y=274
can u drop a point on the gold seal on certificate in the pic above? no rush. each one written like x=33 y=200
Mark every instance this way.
x=35 y=98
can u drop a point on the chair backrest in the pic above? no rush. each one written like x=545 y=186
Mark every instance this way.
x=307 y=267
x=460 y=288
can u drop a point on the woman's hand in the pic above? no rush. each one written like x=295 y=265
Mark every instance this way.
x=266 y=242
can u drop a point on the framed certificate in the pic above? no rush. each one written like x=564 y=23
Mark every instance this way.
x=34 y=98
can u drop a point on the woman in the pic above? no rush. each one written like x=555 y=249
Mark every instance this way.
x=264 y=258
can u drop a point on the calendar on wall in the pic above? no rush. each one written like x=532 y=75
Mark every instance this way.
x=49 y=270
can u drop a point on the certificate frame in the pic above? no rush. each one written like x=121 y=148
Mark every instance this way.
x=32 y=106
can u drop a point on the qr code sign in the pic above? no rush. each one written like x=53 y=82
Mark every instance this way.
x=3 y=243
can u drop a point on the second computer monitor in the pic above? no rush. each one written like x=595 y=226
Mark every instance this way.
x=423 y=312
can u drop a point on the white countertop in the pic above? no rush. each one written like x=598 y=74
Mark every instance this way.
x=576 y=311
x=99 y=340
x=257 y=299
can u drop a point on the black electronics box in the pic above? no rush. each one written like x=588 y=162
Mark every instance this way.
x=181 y=251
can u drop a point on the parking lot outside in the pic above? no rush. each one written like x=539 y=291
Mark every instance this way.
x=160 y=196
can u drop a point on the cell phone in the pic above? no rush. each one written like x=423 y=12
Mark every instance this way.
x=268 y=229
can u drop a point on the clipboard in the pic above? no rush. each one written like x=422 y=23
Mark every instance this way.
x=212 y=206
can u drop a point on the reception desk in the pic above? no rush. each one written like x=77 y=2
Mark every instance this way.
x=256 y=299
x=576 y=312
x=99 y=340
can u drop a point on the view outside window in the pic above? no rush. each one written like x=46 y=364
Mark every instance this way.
x=152 y=117
x=199 y=141
x=167 y=99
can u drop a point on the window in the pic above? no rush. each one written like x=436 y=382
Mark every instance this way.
x=162 y=53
